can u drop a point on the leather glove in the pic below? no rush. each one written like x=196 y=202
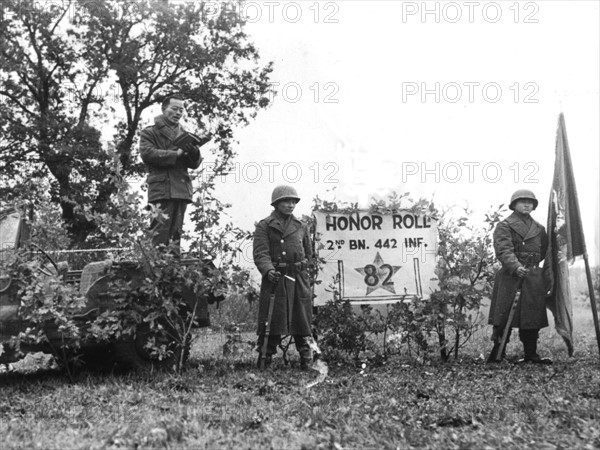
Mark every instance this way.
x=273 y=276
x=521 y=272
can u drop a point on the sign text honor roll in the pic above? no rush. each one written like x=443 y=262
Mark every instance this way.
x=375 y=258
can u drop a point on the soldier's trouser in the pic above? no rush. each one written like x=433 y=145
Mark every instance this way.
x=303 y=347
x=273 y=341
x=529 y=338
x=301 y=342
x=168 y=231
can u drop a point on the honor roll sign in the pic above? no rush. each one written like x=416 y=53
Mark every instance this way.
x=375 y=258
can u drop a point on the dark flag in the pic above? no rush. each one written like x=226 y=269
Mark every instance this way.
x=566 y=240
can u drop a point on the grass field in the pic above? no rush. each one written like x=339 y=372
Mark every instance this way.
x=225 y=402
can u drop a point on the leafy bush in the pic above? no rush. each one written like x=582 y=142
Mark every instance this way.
x=145 y=292
x=410 y=324
x=162 y=297
x=237 y=310
x=344 y=333
x=47 y=305
x=451 y=315
x=466 y=268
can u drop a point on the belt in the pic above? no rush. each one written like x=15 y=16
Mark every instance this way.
x=529 y=259
x=292 y=268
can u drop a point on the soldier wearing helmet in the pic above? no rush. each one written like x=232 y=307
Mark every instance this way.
x=522 y=194
x=520 y=244
x=282 y=250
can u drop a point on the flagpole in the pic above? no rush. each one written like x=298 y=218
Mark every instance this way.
x=588 y=274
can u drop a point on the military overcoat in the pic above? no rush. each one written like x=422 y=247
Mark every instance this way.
x=168 y=176
x=292 y=313
x=518 y=244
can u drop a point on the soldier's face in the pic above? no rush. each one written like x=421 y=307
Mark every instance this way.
x=524 y=206
x=174 y=110
x=286 y=206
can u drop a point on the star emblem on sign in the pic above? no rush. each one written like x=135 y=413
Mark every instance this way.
x=378 y=275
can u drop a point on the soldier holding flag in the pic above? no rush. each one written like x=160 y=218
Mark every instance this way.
x=520 y=244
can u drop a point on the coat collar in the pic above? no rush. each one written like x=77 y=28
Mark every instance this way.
x=167 y=130
x=274 y=222
x=521 y=228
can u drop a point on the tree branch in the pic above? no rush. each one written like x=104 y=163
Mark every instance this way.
x=16 y=101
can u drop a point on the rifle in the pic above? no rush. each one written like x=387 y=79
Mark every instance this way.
x=497 y=350
x=263 y=351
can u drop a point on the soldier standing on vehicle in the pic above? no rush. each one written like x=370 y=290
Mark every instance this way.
x=520 y=244
x=169 y=184
x=282 y=250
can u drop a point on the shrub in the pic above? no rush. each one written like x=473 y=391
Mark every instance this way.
x=345 y=333
x=465 y=269
x=145 y=292
x=47 y=305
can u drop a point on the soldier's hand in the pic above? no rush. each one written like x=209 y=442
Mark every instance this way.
x=273 y=276
x=521 y=272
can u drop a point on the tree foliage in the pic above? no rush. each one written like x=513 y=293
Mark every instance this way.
x=76 y=78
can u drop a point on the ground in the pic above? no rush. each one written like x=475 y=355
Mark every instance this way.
x=225 y=402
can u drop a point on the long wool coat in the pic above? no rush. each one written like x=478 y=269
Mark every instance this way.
x=168 y=176
x=517 y=244
x=292 y=313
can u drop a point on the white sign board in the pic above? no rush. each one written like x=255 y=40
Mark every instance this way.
x=375 y=258
x=9 y=230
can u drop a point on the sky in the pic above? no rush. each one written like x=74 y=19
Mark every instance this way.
x=452 y=101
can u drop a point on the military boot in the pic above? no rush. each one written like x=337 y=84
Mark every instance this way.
x=531 y=355
x=268 y=361
x=304 y=350
x=306 y=358
x=305 y=363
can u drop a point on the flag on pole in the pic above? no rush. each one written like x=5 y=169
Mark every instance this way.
x=565 y=231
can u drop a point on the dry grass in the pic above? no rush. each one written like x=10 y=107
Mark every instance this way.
x=225 y=402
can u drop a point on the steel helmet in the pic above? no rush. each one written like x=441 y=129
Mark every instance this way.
x=522 y=194
x=281 y=192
